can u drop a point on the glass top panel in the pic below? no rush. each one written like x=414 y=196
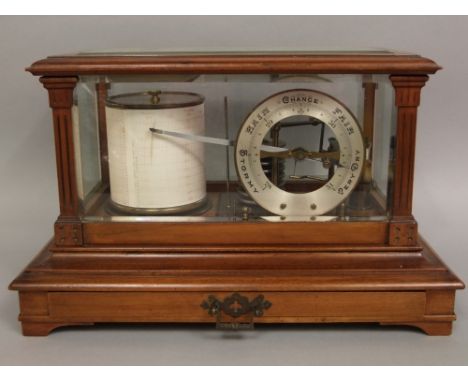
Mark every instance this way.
x=236 y=52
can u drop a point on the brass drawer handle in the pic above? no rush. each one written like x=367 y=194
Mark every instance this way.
x=235 y=306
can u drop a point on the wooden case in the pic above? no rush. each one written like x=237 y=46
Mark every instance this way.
x=235 y=273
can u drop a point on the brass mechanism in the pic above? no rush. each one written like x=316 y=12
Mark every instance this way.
x=301 y=154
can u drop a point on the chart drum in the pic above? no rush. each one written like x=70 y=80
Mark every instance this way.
x=152 y=174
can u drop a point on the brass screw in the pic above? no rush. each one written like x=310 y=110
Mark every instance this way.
x=283 y=206
x=313 y=206
x=246 y=212
x=154 y=97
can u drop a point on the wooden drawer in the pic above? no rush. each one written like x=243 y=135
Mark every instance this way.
x=186 y=306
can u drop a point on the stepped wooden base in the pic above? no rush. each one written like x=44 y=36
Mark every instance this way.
x=386 y=286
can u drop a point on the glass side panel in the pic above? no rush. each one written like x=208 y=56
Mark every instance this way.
x=227 y=148
x=384 y=136
x=86 y=138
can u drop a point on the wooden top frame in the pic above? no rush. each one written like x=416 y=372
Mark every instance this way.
x=358 y=62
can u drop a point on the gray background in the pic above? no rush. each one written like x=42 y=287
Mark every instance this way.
x=28 y=193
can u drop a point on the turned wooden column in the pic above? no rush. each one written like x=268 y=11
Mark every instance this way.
x=403 y=228
x=68 y=226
